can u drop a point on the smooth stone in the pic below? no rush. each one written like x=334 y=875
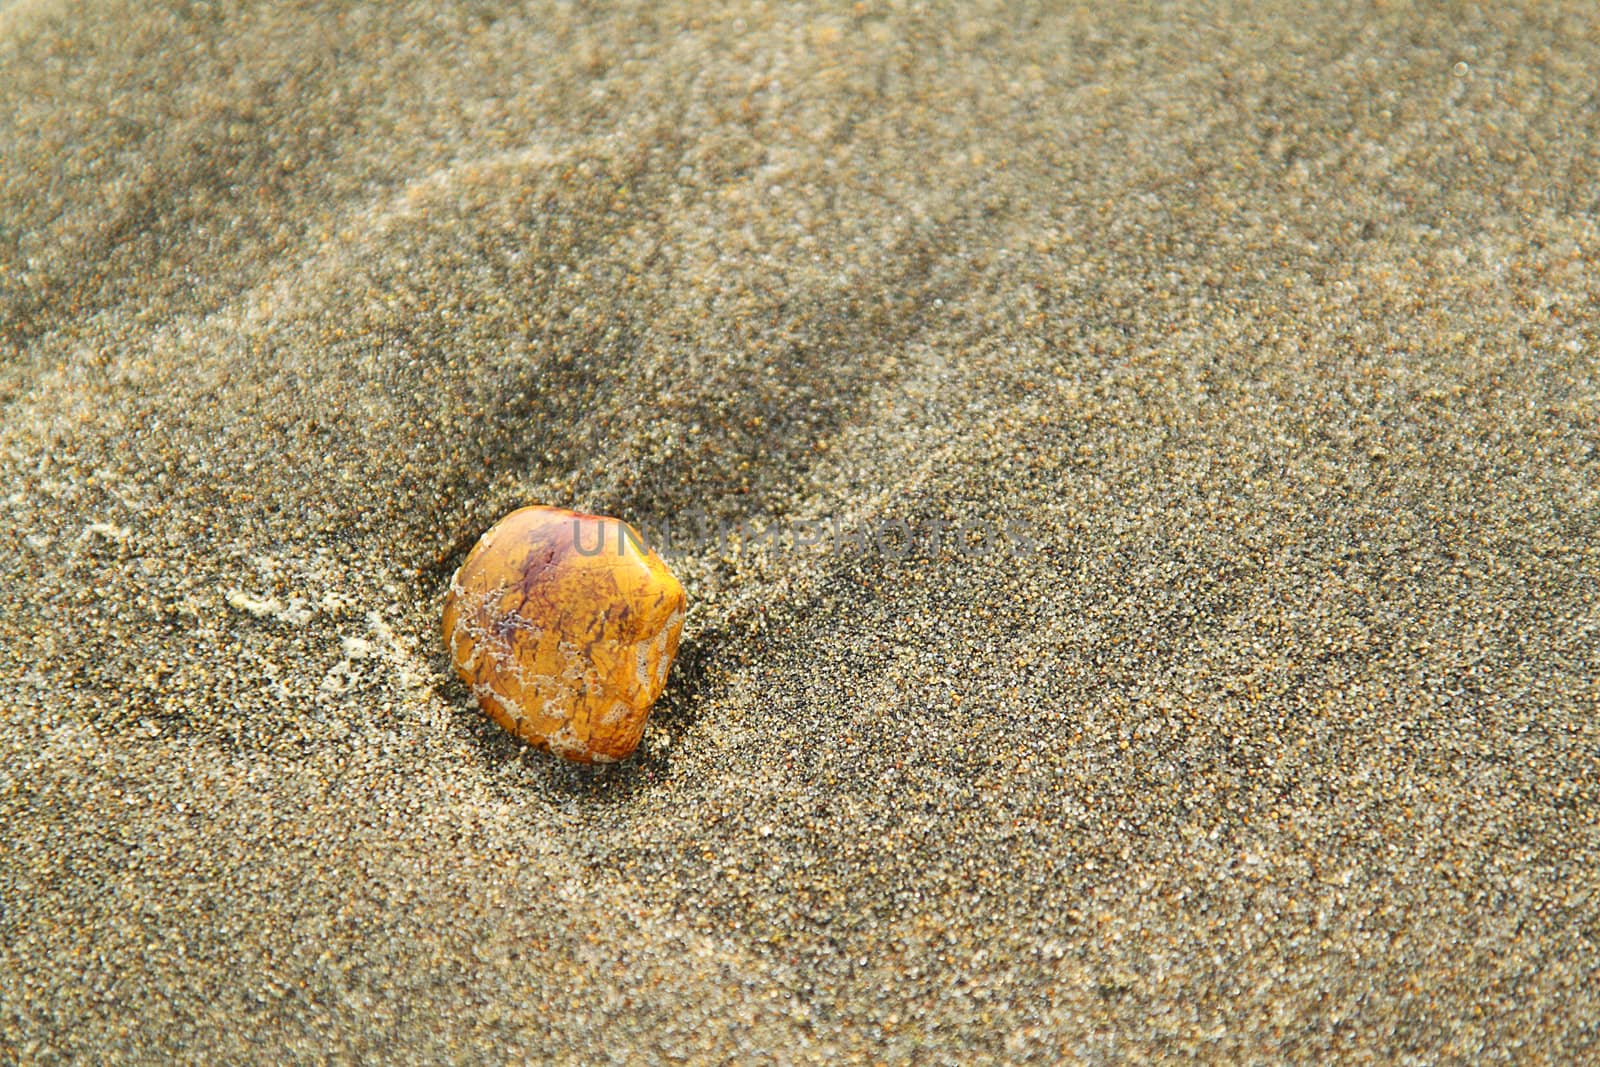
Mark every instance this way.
x=564 y=626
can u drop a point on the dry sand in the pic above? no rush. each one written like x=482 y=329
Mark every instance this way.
x=1275 y=327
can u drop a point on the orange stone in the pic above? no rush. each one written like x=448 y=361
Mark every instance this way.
x=564 y=626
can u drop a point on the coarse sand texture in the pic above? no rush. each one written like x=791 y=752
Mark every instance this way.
x=1266 y=333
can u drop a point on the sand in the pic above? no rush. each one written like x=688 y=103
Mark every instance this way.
x=1267 y=732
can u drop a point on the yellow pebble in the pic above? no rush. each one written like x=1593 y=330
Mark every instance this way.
x=564 y=626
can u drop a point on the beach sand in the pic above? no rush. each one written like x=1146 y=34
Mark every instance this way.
x=1267 y=732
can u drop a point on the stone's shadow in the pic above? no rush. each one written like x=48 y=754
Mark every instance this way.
x=692 y=681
